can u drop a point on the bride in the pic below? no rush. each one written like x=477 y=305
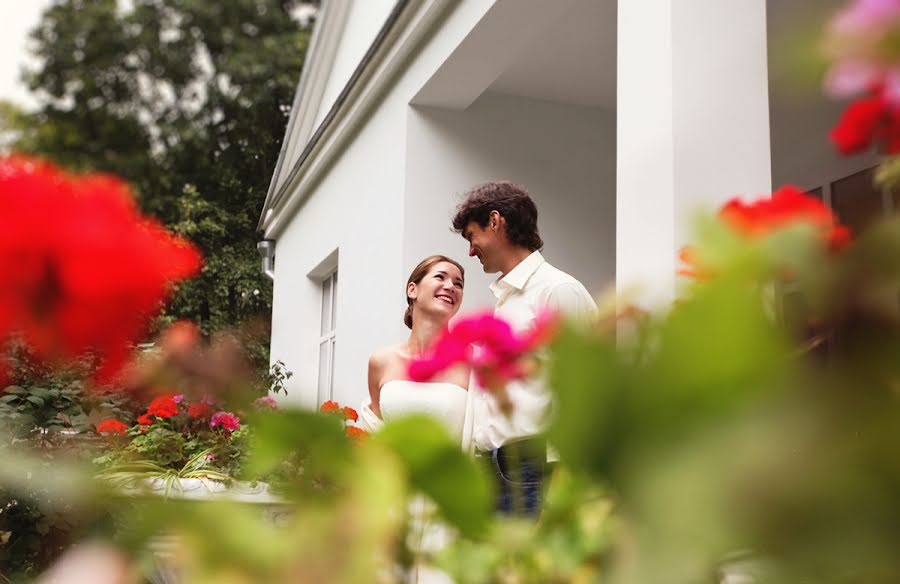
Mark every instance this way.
x=434 y=292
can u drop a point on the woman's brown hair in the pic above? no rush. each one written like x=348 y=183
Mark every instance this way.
x=418 y=273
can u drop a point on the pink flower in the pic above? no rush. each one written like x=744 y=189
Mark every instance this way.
x=266 y=402
x=501 y=351
x=177 y=398
x=857 y=40
x=862 y=17
x=225 y=420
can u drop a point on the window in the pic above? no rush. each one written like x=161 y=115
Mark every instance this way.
x=858 y=203
x=327 y=337
x=856 y=200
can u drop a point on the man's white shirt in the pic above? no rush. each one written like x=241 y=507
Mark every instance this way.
x=530 y=287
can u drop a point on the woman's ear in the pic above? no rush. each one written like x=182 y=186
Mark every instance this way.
x=412 y=290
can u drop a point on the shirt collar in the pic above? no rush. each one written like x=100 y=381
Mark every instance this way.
x=518 y=276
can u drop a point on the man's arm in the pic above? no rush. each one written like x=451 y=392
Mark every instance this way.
x=571 y=299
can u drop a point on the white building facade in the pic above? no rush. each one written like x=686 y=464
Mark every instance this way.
x=623 y=119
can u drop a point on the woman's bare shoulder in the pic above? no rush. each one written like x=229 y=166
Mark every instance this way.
x=385 y=356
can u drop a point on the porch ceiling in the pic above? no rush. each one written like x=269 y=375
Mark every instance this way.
x=573 y=60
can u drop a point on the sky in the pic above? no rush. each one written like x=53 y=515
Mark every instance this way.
x=18 y=18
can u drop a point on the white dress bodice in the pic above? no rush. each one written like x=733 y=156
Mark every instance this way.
x=445 y=402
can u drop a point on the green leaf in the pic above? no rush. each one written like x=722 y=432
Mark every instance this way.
x=593 y=387
x=41 y=392
x=439 y=468
x=279 y=434
x=35 y=400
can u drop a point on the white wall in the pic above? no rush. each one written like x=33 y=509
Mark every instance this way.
x=358 y=208
x=363 y=23
x=358 y=212
x=564 y=155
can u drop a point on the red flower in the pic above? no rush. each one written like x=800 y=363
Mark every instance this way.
x=145 y=420
x=112 y=427
x=330 y=407
x=501 y=353
x=199 y=410
x=868 y=121
x=349 y=414
x=692 y=268
x=163 y=407
x=226 y=420
x=356 y=434
x=787 y=206
x=80 y=267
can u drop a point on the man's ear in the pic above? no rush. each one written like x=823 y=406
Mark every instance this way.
x=495 y=220
x=412 y=290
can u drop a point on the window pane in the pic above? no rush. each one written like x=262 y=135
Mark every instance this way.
x=331 y=369
x=326 y=306
x=324 y=372
x=856 y=200
x=334 y=281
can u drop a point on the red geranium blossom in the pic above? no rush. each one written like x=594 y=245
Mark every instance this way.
x=199 y=410
x=866 y=122
x=500 y=354
x=691 y=267
x=163 y=407
x=356 y=434
x=330 y=407
x=145 y=420
x=225 y=420
x=112 y=427
x=349 y=414
x=80 y=267
x=787 y=206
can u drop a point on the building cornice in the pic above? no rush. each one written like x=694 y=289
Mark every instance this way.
x=320 y=56
x=410 y=23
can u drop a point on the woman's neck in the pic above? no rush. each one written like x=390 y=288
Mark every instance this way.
x=424 y=332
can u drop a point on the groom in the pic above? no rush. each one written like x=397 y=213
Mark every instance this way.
x=499 y=220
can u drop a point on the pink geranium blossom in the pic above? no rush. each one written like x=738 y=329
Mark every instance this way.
x=864 y=16
x=855 y=40
x=500 y=354
x=266 y=402
x=225 y=420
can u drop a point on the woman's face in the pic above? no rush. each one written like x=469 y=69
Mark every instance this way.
x=440 y=292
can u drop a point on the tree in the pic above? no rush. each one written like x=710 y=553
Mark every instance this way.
x=187 y=100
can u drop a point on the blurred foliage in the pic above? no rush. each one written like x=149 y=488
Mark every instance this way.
x=187 y=101
x=46 y=411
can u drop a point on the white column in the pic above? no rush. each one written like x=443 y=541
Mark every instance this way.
x=692 y=126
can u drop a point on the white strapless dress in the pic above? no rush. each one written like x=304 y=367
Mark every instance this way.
x=451 y=405
x=445 y=402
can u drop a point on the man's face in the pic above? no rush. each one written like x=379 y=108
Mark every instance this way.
x=483 y=244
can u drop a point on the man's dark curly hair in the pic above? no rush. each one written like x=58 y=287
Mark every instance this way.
x=514 y=205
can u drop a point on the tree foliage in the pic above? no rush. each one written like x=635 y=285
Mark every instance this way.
x=188 y=101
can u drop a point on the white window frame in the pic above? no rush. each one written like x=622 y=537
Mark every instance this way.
x=327 y=337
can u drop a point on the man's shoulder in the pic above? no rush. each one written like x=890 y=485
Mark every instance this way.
x=549 y=276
